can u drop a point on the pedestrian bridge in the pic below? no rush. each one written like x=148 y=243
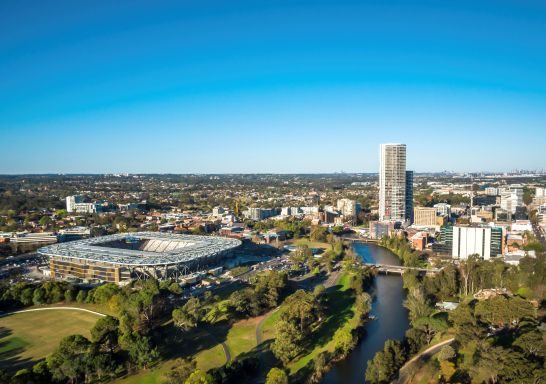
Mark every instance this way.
x=399 y=269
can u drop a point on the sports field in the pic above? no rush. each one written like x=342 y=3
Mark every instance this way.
x=27 y=337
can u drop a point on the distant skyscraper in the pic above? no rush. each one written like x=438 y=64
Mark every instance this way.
x=409 y=196
x=392 y=182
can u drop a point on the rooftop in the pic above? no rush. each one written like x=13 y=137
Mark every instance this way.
x=142 y=248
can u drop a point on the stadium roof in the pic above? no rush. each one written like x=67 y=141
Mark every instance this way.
x=171 y=249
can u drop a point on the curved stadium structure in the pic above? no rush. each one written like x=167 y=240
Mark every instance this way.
x=122 y=257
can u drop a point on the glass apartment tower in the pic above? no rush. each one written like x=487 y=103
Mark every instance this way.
x=409 y=197
x=392 y=182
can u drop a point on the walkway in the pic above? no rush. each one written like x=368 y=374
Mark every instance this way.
x=50 y=308
x=259 y=326
x=400 y=268
x=405 y=372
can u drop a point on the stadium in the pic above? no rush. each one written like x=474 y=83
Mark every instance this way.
x=122 y=257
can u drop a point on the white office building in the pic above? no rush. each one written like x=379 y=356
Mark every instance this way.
x=347 y=207
x=491 y=191
x=443 y=209
x=87 y=208
x=218 y=211
x=472 y=240
x=512 y=198
x=392 y=182
x=71 y=202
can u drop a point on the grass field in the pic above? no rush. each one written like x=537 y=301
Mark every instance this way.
x=339 y=314
x=312 y=244
x=268 y=327
x=28 y=337
x=209 y=353
x=241 y=337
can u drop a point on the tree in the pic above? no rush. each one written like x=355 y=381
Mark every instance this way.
x=276 y=376
x=69 y=295
x=447 y=368
x=105 y=292
x=199 y=377
x=531 y=343
x=244 y=302
x=105 y=332
x=319 y=365
x=45 y=221
x=344 y=340
x=430 y=326
x=38 y=296
x=318 y=233
x=446 y=353
x=384 y=365
x=69 y=360
x=27 y=296
x=141 y=352
x=465 y=323
x=189 y=315
x=468 y=270
x=417 y=304
x=288 y=341
x=304 y=310
x=80 y=297
x=181 y=371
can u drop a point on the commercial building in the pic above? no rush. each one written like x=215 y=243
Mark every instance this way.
x=261 y=213
x=522 y=226
x=419 y=241
x=443 y=209
x=424 y=216
x=392 y=182
x=491 y=191
x=512 y=198
x=502 y=215
x=71 y=202
x=347 y=207
x=482 y=200
x=461 y=242
x=121 y=257
x=218 y=211
x=379 y=229
x=87 y=207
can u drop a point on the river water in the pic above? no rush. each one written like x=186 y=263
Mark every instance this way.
x=391 y=318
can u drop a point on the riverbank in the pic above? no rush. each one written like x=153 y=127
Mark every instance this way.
x=391 y=321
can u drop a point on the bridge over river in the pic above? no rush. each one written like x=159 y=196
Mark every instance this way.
x=399 y=269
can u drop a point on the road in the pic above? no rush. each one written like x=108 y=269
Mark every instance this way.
x=539 y=234
x=406 y=372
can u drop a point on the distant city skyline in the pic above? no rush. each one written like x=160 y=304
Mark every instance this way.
x=282 y=87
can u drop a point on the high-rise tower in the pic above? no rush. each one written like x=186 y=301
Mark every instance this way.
x=392 y=182
x=409 y=197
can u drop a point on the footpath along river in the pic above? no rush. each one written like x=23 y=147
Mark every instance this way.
x=391 y=318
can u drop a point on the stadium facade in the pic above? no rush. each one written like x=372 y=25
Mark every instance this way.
x=122 y=257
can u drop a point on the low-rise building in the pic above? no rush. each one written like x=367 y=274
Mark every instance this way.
x=380 y=229
x=522 y=226
x=419 y=241
x=425 y=217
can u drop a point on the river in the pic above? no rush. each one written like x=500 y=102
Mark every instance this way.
x=391 y=318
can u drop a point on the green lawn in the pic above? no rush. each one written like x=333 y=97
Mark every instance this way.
x=340 y=313
x=28 y=337
x=312 y=244
x=242 y=337
x=203 y=345
x=268 y=326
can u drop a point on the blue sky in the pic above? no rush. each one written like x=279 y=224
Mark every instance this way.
x=276 y=86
